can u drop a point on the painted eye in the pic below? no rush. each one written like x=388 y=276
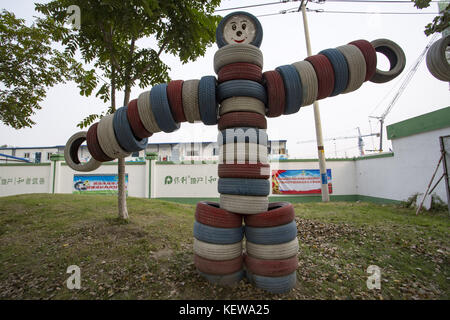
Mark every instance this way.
x=233 y=27
x=244 y=26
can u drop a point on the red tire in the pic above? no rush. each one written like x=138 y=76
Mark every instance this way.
x=325 y=74
x=370 y=55
x=209 y=213
x=174 y=94
x=279 y=213
x=242 y=119
x=276 y=98
x=94 y=146
x=135 y=121
x=218 y=267
x=247 y=171
x=240 y=71
x=271 y=268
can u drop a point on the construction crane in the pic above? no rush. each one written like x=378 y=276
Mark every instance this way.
x=359 y=136
x=402 y=88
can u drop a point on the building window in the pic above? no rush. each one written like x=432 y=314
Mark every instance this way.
x=26 y=155
x=215 y=151
x=49 y=154
x=192 y=153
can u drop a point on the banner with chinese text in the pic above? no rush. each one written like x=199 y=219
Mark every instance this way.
x=100 y=184
x=298 y=181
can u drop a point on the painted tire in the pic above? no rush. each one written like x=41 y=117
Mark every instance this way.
x=437 y=62
x=207 y=100
x=240 y=71
x=175 y=96
x=216 y=235
x=245 y=187
x=190 y=100
x=242 y=153
x=224 y=280
x=241 y=88
x=309 y=80
x=325 y=75
x=234 y=53
x=107 y=138
x=242 y=104
x=242 y=119
x=258 y=32
x=217 y=252
x=276 y=98
x=210 y=213
x=71 y=154
x=135 y=122
x=272 y=251
x=292 y=88
x=275 y=285
x=161 y=109
x=396 y=57
x=271 y=268
x=218 y=267
x=247 y=171
x=243 y=204
x=271 y=235
x=124 y=133
x=242 y=135
x=370 y=55
x=146 y=114
x=340 y=69
x=278 y=213
x=356 y=66
x=94 y=146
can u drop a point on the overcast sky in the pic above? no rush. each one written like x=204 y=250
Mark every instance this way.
x=283 y=43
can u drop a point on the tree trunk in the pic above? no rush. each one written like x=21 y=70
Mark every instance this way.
x=122 y=195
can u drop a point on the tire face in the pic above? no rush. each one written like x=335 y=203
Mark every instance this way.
x=245 y=187
x=242 y=153
x=325 y=75
x=437 y=62
x=242 y=104
x=241 y=88
x=281 y=284
x=396 y=58
x=240 y=71
x=340 y=68
x=272 y=251
x=234 y=53
x=71 y=154
x=207 y=100
x=225 y=280
x=218 y=267
x=124 y=133
x=271 y=268
x=276 y=98
x=249 y=171
x=220 y=40
x=278 y=213
x=161 y=109
x=209 y=213
x=174 y=94
x=242 y=119
x=271 y=235
x=94 y=146
x=356 y=67
x=217 y=252
x=244 y=204
x=242 y=135
x=216 y=235
x=292 y=88
x=135 y=122
x=107 y=138
x=309 y=81
x=146 y=113
x=370 y=55
x=190 y=100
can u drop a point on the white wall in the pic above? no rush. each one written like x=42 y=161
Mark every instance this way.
x=24 y=179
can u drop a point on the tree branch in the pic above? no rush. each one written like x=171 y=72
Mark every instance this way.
x=108 y=41
x=150 y=63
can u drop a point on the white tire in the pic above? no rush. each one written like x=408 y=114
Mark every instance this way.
x=272 y=251
x=233 y=53
x=218 y=252
x=247 y=104
x=241 y=152
x=107 y=138
x=244 y=204
x=310 y=84
x=356 y=66
x=71 y=154
x=146 y=113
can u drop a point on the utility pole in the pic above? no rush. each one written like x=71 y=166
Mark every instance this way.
x=319 y=137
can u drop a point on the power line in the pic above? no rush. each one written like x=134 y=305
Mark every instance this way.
x=365 y=1
x=255 y=5
x=366 y=12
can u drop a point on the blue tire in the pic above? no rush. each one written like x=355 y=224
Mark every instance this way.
x=258 y=34
x=244 y=187
x=161 y=108
x=241 y=88
x=340 y=68
x=216 y=235
x=273 y=284
x=242 y=134
x=292 y=88
x=271 y=235
x=225 y=279
x=124 y=133
x=207 y=100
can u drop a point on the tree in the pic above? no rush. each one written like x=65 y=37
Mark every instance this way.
x=108 y=37
x=28 y=67
x=440 y=22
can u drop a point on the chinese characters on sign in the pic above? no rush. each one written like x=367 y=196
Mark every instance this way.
x=298 y=181
x=104 y=184
x=190 y=180
x=21 y=180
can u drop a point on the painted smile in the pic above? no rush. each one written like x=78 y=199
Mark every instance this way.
x=239 y=41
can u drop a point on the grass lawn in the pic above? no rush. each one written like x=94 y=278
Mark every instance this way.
x=150 y=257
